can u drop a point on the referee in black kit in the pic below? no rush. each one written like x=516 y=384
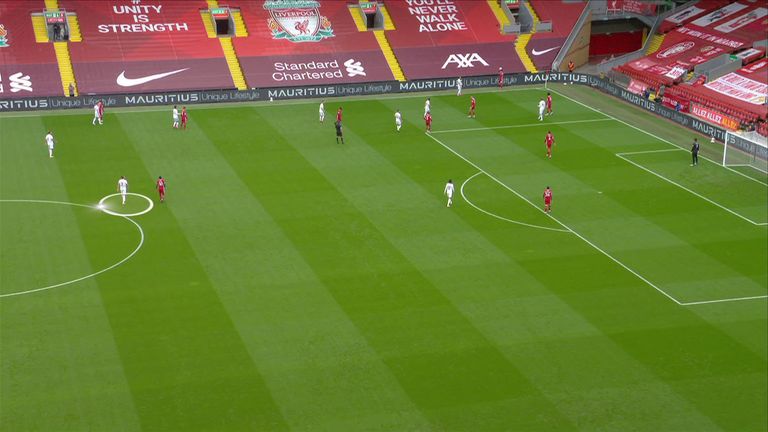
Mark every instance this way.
x=695 y=152
x=338 y=132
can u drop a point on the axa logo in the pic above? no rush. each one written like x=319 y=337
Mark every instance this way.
x=354 y=68
x=464 y=60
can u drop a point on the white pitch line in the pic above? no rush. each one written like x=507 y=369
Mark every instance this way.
x=141 y=243
x=639 y=276
x=522 y=125
x=261 y=103
x=501 y=217
x=654 y=136
x=689 y=190
x=651 y=151
x=724 y=300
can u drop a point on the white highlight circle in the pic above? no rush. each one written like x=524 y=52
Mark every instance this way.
x=141 y=243
x=101 y=206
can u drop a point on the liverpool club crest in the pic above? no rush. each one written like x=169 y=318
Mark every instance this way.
x=297 y=20
x=3 y=37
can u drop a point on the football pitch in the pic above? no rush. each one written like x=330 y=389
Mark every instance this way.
x=292 y=283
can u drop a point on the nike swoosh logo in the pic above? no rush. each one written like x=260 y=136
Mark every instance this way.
x=131 y=82
x=538 y=53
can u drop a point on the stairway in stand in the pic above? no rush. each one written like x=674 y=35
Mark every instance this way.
x=501 y=17
x=65 y=66
x=381 y=38
x=240 y=29
x=389 y=55
x=227 y=47
x=238 y=79
x=74 y=28
x=520 y=44
x=40 y=28
x=655 y=44
x=522 y=41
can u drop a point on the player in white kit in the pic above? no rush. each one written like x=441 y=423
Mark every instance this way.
x=322 y=111
x=427 y=107
x=542 y=107
x=49 y=142
x=398 y=120
x=175 y=117
x=459 y=83
x=97 y=114
x=122 y=187
x=448 y=191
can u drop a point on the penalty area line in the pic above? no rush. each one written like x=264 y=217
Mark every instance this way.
x=651 y=151
x=620 y=155
x=652 y=135
x=587 y=241
x=724 y=300
x=522 y=125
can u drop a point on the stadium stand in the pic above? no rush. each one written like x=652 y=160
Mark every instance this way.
x=543 y=47
x=695 y=11
x=27 y=67
x=310 y=43
x=453 y=38
x=124 y=44
x=696 y=35
x=739 y=95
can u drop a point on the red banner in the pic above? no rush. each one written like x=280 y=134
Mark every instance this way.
x=681 y=51
x=749 y=55
x=714 y=117
x=719 y=14
x=713 y=37
x=673 y=101
x=631 y=6
x=760 y=67
x=637 y=87
x=740 y=87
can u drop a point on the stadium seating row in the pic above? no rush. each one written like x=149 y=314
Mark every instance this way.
x=702 y=32
x=164 y=45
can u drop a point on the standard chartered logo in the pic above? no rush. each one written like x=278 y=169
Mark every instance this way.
x=20 y=82
x=354 y=68
x=317 y=70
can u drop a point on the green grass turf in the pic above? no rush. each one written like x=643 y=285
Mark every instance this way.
x=292 y=283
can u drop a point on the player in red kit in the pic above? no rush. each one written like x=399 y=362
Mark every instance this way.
x=183 y=118
x=549 y=103
x=549 y=140
x=160 y=186
x=338 y=115
x=428 y=121
x=472 y=106
x=501 y=77
x=547 y=200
